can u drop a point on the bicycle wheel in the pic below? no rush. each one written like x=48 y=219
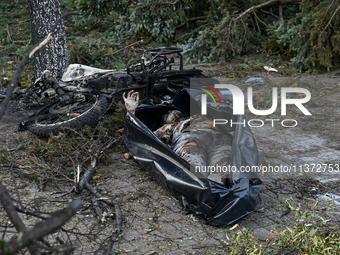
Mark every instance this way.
x=75 y=115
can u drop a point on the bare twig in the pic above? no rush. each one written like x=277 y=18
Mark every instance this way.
x=329 y=88
x=119 y=223
x=86 y=177
x=245 y=32
x=98 y=195
x=18 y=209
x=192 y=19
x=106 y=146
x=95 y=204
x=257 y=24
x=16 y=187
x=327 y=10
x=141 y=41
x=65 y=193
x=200 y=28
x=271 y=2
x=9 y=36
x=172 y=3
x=329 y=22
x=281 y=16
x=268 y=3
x=18 y=4
x=260 y=19
x=12 y=214
x=270 y=13
x=12 y=165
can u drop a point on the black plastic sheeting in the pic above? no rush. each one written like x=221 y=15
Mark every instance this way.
x=216 y=203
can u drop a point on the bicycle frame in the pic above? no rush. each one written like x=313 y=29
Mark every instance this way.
x=154 y=78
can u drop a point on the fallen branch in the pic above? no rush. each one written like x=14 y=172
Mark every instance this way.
x=259 y=6
x=41 y=229
x=99 y=203
x=12 y=214
x=253 y=8
x=96 y=196
x=40 y=45
x=23 y=63
x=86 y=177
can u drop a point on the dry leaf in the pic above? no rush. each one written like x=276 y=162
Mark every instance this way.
x=73 y=115
x=151 y=253
x=127 y=155
x=120 y=131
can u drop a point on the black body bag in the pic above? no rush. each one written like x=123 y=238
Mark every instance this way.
x=218 y=204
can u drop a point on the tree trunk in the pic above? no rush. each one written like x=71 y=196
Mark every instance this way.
x=53 y=57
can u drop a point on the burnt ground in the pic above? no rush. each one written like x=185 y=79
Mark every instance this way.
x=154 y=222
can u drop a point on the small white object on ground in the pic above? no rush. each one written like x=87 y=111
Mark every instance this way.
x=270 y=69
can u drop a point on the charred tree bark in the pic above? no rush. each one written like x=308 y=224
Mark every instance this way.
x=43 y=15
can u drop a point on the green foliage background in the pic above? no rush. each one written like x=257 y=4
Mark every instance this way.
x=210 y=31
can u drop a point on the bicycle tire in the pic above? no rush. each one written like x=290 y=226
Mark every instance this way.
x=45 y=123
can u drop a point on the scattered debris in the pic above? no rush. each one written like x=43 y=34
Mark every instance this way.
x=256 y=79
x=120 y=131
x=270 y=69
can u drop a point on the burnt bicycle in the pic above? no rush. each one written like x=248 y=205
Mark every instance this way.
x=84 y=93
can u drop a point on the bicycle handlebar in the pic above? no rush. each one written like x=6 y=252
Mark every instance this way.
x=155 y=53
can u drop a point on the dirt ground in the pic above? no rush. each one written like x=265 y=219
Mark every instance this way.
x=153 y=221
